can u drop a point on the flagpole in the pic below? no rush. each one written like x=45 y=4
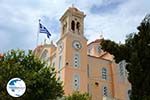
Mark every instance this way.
x=37 y=39
x=49 y=40
x=38 y=34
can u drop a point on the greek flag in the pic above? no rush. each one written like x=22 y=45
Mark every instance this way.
x=44 y=30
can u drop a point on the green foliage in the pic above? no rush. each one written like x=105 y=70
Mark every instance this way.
x=39 y=78
x=136 y=51
x=140 y=61
x=78 y=96
x=115 y=49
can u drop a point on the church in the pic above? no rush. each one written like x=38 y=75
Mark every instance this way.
x=84 y=67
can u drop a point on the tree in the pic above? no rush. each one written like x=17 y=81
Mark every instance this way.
x=78 y=96
x=115 y=49
x=40 y=79
x=136 y=51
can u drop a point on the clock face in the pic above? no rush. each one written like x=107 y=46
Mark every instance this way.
x=77 y=45
x=60 y=47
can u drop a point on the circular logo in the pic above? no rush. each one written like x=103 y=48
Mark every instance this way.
x=16 y=87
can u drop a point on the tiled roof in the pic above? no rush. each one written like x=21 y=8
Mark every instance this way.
x=96 y=41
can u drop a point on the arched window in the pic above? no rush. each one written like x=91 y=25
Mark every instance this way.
x=129 y=94
x=53 y=62
x=60 y=62
x=76 y=60
x=60 y=75
x=121 y=70
x=76 y=82
x=44 y=55
x=122 y=65
x=99 y=49
x=78 y=26
x=104 y=73
x=73 y=25
x=105 y=91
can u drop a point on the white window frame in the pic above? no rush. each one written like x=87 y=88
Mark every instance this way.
x=122 y=70
x=44 y=55
x=60 y=62
x=98 y=48
x=105 y=91
x=76 y=60
x=129 y=94
x=76 y=81
x=104 y=73
x=53 y=63
x=60 y=75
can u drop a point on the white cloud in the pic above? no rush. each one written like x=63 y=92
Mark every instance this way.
x=19 y=20
x=121 y=22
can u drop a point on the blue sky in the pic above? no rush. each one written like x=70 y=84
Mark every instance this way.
x=114 y=18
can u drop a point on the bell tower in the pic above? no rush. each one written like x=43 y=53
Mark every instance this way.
x=72 y=22
x=72 y=51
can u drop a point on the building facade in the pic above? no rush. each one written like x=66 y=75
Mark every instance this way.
x=84 y=67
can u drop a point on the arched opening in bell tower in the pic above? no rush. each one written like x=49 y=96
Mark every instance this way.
x=73 y=26
x=78 y=26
